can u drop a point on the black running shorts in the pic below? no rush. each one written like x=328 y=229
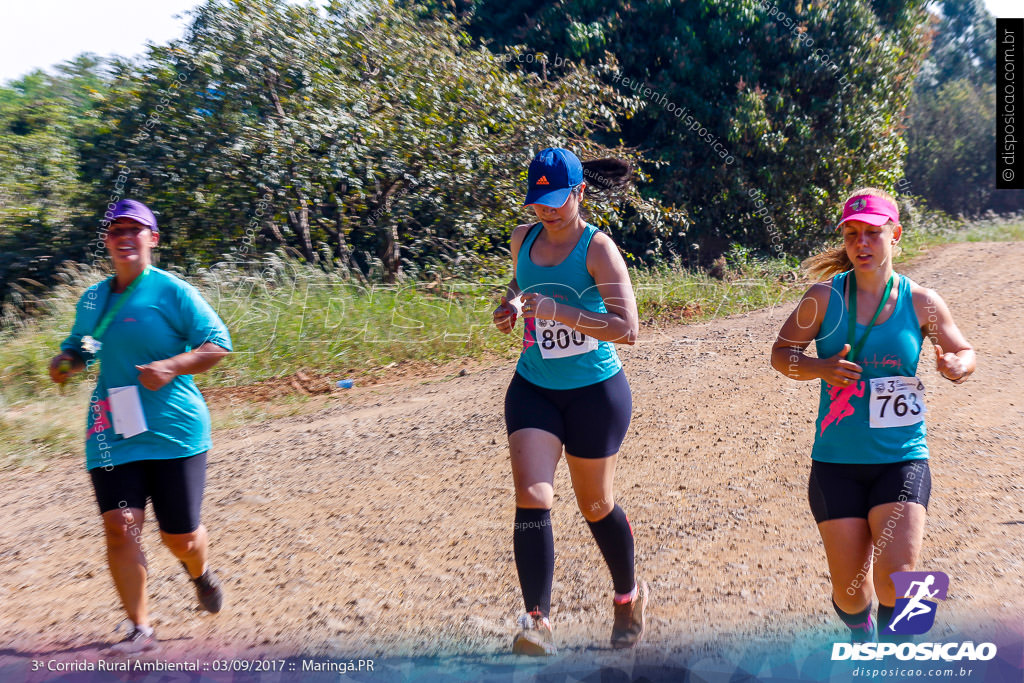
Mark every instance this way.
x=175 y=486
x=591 y=421
x=838 y=490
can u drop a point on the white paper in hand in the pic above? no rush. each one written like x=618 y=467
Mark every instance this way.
x=126 y=409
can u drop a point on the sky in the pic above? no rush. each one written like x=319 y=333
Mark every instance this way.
x=42 y=33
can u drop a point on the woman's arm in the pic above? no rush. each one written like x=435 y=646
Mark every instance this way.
x=518 y=236
x=802 y=326
x=954 y=356
x=71 y=360
x=158 y=374
x=621 y=324
x=504 y=315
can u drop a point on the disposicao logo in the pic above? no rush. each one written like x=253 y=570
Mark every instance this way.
x=921 y=652
x=916 y=603
x=915 y=610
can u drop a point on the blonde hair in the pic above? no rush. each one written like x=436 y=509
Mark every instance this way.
x=835 y=260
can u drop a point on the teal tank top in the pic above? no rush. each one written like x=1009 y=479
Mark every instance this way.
x=555 y=356
x=842 y=432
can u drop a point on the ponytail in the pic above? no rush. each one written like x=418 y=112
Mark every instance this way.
x=828 y=263
x=608 y=175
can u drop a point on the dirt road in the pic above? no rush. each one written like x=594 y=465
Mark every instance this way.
x=382 y=524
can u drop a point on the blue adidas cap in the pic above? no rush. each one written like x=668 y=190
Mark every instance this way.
x=554 y=172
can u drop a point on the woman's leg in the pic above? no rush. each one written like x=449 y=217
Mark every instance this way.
x=121 y=494
x=838 y=494
x=534 y=456
x=176 y=487
x=898 y=532
x=593 y=482
x=898 y=504
x=123 y=531
x=190 y=548
x=596 y=422
x=848 y=550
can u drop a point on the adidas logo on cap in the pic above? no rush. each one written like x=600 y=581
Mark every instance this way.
x=543 y=180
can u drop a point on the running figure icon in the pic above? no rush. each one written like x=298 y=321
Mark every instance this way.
x=915 y=605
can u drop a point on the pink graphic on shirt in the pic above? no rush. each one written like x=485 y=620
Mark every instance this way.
x=839 y=407
x=529 y=332
x=889 y=360
x=100 y=422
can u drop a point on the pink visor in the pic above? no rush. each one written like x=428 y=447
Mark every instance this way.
x=870 y=209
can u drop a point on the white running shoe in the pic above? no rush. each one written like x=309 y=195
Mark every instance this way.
x=139 y=639
x=534 y=638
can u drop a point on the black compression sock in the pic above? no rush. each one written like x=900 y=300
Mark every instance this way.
x=853 y=620
x=615 y=539
x=884 y=616
x=534 y=546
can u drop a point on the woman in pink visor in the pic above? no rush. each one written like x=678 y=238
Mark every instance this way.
x=869 y=481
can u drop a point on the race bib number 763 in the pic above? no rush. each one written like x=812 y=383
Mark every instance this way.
x=896 y=401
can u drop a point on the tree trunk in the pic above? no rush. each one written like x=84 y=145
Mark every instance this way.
x=341 y=248
x=273 y=232
x=388 y=253
x=387 y=246
x=299 y=222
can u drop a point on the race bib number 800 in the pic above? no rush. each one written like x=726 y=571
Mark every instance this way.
x=560 y=341
x=896 y=401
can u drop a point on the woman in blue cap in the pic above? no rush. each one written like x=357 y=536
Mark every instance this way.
x=148 y=428
x=869 y=481
x=569 y=391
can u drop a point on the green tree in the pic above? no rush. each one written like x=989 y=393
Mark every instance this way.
x=807 y=98
x=44 y=120
x=951 y=147
x=377 y=143
x=963 y=45
x=951 y=129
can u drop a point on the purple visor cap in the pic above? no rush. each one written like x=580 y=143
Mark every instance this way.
x=137 y=211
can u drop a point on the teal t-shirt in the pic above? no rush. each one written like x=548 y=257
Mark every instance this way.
x=570 y=283
x=842 y=432
x=163 y=317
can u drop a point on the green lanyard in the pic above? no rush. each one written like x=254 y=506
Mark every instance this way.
x=108 y=317
x=855 y=349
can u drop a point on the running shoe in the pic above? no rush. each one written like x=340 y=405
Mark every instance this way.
x=864 y=633
x=628 y=628
x=534 y=638
x=208 y=590
x=136 y=642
